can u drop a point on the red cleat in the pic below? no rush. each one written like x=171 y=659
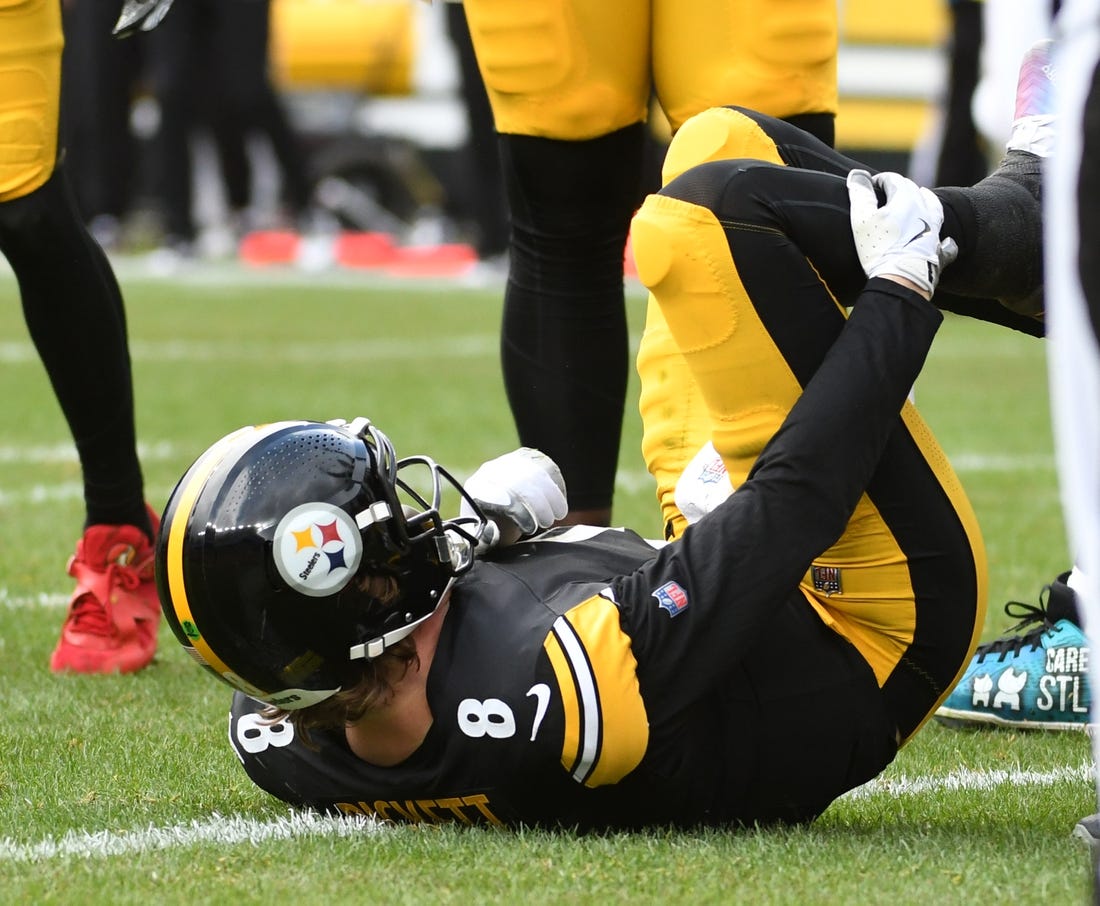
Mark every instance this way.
x=114 y=613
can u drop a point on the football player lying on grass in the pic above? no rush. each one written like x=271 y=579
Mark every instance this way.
x=772 y=654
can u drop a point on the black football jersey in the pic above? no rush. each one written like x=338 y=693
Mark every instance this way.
x=544 y=716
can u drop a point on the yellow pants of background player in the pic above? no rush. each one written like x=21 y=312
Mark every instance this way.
x=577 y=69
x=715 y=375
x=30 y=93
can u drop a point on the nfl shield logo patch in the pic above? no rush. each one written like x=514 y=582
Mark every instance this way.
x=672 y=598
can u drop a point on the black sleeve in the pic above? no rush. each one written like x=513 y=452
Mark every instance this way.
x=834 y=435
x=702 y=603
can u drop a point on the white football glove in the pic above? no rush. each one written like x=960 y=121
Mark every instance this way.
x=140 y=15
x=902 y=237
x=522 y=492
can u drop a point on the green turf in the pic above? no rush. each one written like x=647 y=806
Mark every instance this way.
x=133 y=765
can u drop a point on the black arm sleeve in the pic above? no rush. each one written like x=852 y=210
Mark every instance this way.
x=832 y=439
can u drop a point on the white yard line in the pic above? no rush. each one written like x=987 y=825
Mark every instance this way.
x=24 y=602
x=27 y=454
x=469 y=346
x=235 y=829
x=1002 y=462
x=16 y=454
x=965 y=779
x=223 y=830
x=630 y=481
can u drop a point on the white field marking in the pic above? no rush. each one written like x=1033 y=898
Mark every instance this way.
x=66 y=452
x=159 y=451
x=630 y=481
x=233 y=830
x=24 y=602
x=230 y=830
x=1003 y=462
x=627 y=480
x=39 y=494
x=469 y=346
x=965 y=779
x=140 y=268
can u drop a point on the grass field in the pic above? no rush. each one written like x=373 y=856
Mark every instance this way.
x=124 y=790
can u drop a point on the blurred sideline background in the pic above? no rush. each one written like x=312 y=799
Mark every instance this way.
x=397 y=152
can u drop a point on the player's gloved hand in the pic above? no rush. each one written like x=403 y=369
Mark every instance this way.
x=522 y=492
x=140 y=15
x=900 y=238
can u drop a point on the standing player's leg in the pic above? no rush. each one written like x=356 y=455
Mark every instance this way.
x=74 y=313
x=569 y=85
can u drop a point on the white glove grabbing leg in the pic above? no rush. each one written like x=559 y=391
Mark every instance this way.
x=523 y=492
x=902 y=237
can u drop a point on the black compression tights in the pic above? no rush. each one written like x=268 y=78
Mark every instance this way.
x=564 y=336
x=74 y=314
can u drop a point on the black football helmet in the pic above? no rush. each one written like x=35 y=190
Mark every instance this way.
x=264 y=536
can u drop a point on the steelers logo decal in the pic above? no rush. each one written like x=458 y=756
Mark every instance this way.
x=317 y=549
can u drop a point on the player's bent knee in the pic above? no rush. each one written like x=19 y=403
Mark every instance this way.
x=719 y=133
x=652 y=252
x=682 y=257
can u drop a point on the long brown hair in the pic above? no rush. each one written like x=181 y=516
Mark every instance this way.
x=372 y=689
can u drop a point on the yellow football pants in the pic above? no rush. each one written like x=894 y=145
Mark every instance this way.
x=569 y=69
x=30 y=93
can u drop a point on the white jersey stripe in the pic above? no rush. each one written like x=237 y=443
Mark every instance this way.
x=587 y=696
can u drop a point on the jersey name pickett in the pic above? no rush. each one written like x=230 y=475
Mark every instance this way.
x=473 y=809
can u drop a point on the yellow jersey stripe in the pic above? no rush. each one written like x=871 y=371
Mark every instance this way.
x=177 y=534
x=571 y=707
x=588 y=697
x=606 y=726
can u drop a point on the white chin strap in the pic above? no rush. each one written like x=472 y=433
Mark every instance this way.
x=372 y=648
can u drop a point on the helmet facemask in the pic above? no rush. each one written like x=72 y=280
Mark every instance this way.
x=412 y=543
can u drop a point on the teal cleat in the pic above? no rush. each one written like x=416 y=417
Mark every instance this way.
x=1036 y=677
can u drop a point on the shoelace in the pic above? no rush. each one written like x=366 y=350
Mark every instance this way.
x=125 y=569
x=91 y=616
x=1028 y=615
x=124 y=574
